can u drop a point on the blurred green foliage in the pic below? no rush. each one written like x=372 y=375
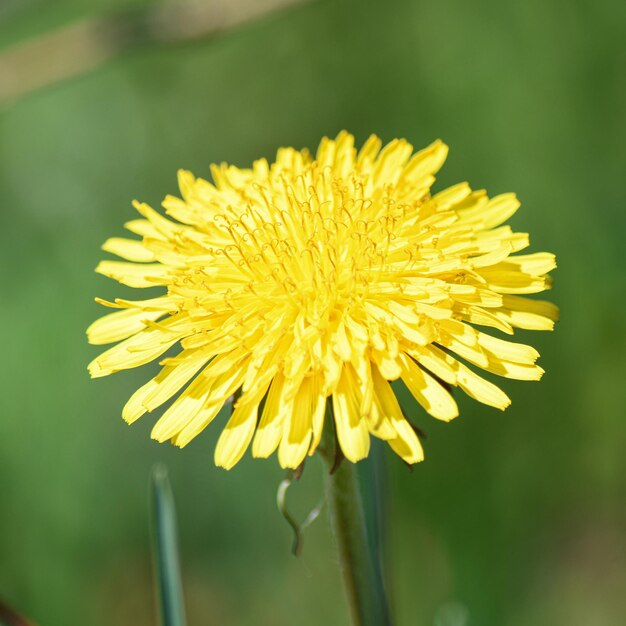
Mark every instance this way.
x=514 y=518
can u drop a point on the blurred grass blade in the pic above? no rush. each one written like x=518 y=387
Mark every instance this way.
x=8 y=617
x=85 y=45
x=373 y=473
x=165 y=550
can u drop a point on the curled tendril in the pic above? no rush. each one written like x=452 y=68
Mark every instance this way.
x=281 y=501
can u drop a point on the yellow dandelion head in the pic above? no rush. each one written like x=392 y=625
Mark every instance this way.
x=312 y=283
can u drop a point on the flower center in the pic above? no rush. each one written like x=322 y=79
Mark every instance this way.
x=316 y=243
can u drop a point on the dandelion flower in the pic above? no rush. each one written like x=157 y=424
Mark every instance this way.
x=316 y=279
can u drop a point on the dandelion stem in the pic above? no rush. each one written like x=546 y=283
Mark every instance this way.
x=360 y=569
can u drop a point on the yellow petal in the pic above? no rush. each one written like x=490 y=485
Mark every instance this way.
x=485 y=317
x=433 y=360
x=344 y=155
x=331 y=369
x=160 y=388
x=480 y=389
x=493 y=213
x=362 y=369
x=473 y=354
x=451 y=196
x=388 y=166
x=135 y=275
x=297 y=427
x=529 y=314
x=352 y=431
x=492 y=258
x=172 y=378
x=223 y=387
x=427 y=391
x=379 y=424
x=527 y=305
x=473 y=385
x=508 y=350
x=535 y=264
x=200 y=420
x=120 y=325
x=236 y=436
x=425 y=163
x=269 y=430
x=184 y=409
x=340 y=342
x=164 y=227
x=198 y=405
x=513 y=282
x=324 y=157
x=367 y=154
x=134 y=408
x=143 y=228
x=388 y=365
x=406 y=445
x=129 y=249
x=404 y=441
x=139 y=349
x=318 y=412
x=515 y=370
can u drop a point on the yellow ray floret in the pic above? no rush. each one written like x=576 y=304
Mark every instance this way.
x=304 y=287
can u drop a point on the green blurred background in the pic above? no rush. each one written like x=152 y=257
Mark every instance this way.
x=514 y=519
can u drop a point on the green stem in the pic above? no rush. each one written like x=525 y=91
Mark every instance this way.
x=361 y=573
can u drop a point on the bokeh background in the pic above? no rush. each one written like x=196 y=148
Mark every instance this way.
x=514 y=519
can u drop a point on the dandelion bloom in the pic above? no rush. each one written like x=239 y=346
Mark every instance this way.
x=321 y=278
